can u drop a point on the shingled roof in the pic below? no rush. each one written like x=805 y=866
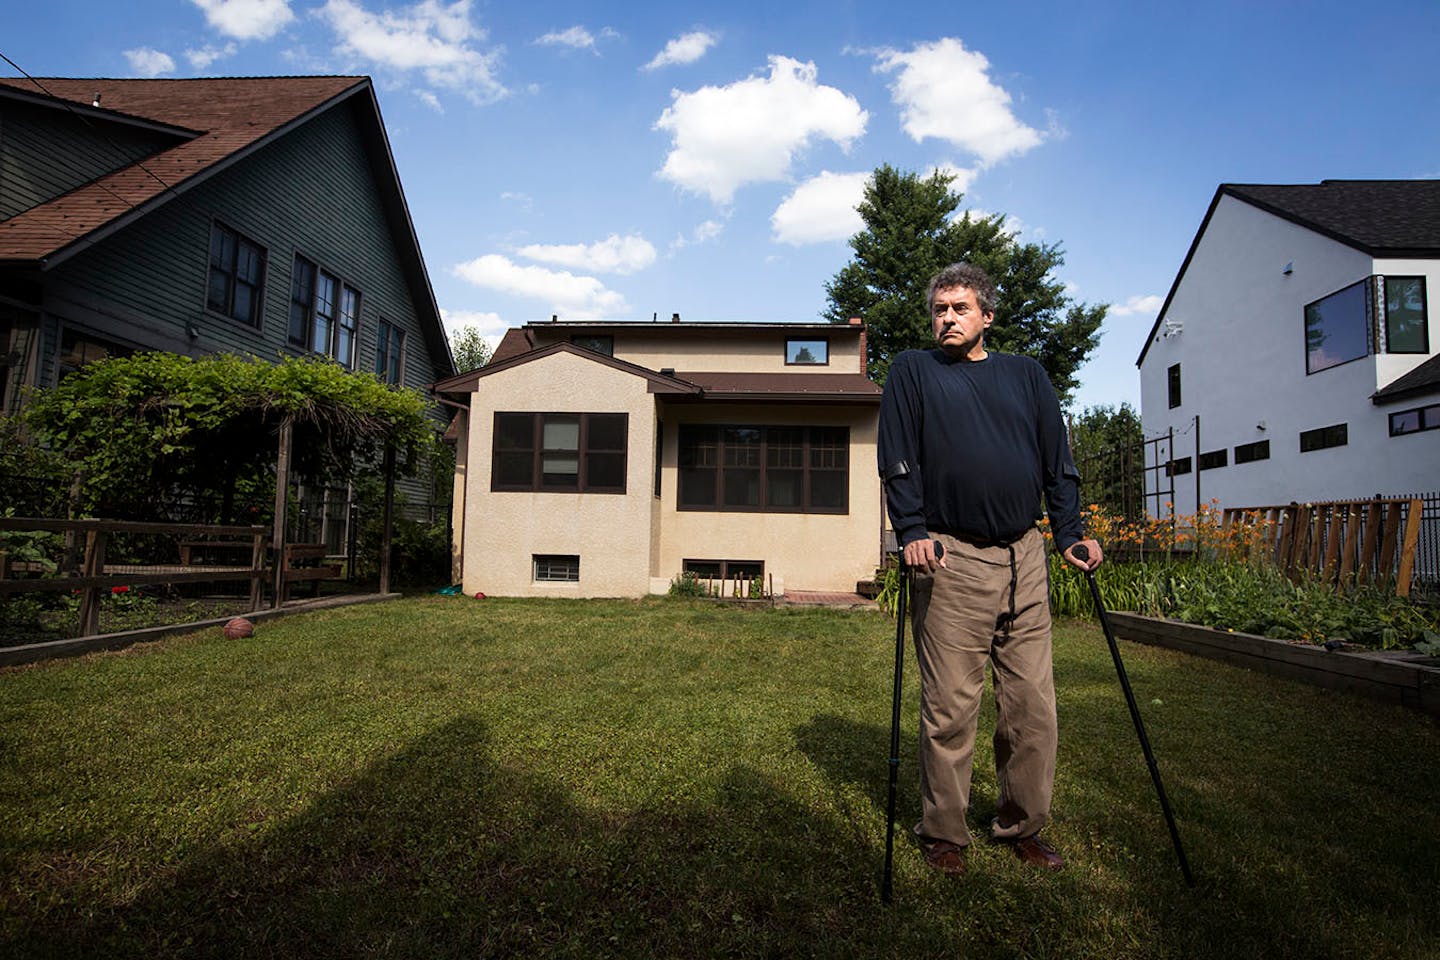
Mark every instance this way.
x=1380 y=218
x=221 y=120
x=1422 y=381
x=1383 y=218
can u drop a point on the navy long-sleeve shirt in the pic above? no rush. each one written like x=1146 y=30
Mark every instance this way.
x=981 y=441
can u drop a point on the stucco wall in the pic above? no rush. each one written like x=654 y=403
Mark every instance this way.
x=761 y=350
x=609 y=532
x=803 y=551
x=1242 y=355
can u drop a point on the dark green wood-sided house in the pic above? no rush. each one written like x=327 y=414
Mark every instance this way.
x=255 y=215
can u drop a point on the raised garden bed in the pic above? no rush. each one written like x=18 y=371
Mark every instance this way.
x=1396 y=676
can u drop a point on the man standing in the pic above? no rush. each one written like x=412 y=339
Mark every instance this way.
x=970 y=441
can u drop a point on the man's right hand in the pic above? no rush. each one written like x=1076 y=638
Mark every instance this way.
x=920 y=555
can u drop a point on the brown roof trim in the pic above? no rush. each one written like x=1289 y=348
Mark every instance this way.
x=803 y=387
x=658 y=382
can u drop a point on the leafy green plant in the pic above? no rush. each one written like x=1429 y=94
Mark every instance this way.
x=1245 y=597
x=687 y=585
x=153 y=429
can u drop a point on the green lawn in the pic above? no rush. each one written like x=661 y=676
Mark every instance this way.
x=445 y=777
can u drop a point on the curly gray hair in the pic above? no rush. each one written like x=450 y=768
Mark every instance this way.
x=963 y=275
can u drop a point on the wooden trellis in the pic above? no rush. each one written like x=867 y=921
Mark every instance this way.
x=1339 y=542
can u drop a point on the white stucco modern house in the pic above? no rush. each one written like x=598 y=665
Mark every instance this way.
x=603 y=459
x=1294 y=358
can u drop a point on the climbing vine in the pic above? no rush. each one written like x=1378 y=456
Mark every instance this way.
x=149 y=430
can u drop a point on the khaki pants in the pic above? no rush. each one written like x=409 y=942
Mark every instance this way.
x=962 y=618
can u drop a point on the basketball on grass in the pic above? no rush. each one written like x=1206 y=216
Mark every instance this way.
x=238 y=629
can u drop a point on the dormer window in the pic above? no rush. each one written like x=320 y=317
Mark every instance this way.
x=807 y=353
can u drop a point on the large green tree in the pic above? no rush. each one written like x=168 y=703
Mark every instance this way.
x=911 y=231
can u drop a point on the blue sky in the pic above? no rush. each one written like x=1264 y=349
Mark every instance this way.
x=625 y=160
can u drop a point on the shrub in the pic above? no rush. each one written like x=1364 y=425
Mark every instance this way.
x=687 y=585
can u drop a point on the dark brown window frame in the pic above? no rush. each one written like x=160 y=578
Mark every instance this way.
x=390 y=352
x=1172 y=377
x=309 y=311
x=1177 y=467
x=536 y=449
x=813 y=363
x=808 y=446
x=231 y=273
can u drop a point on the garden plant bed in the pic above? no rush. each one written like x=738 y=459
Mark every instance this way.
x=1396 y=676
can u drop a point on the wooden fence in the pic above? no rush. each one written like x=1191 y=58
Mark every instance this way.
x=95 y=577
x=1339 y=542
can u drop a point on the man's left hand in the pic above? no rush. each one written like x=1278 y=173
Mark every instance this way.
x=1097 y=557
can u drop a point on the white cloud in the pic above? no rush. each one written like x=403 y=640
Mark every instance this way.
x=432 y=37
x=571 y=296
x=491 y=326
x=576 y=37
x=206 y=55
x=750 y=131
x=821 y=209
x=247 y=19
x=944 y=91
x=1147 y=304
x=430 y=100
x=703 y=233
x=683 y=49
x=150 y=63
x=1013 y=225
x=614 y=254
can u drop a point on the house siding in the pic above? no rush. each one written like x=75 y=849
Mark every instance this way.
x=48 y=151
x=1242 y=355
x=310 y=192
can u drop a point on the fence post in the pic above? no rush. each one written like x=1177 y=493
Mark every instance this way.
x=1407 y=550
x=282 y=489
x=90 y=597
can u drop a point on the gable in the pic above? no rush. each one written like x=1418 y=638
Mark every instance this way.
x=46 y=151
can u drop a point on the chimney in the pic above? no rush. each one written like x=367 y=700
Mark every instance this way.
x=864 y=355
x=674 y=318
x=554 y=317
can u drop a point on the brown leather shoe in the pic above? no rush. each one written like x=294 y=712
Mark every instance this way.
x=947 y=857
x=1037 y=852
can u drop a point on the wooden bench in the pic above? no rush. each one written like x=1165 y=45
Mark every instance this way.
x=306 y=561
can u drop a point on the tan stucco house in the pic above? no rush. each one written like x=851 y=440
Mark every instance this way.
x=604 y=459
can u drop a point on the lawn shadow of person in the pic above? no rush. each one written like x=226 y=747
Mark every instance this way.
x=442 y=849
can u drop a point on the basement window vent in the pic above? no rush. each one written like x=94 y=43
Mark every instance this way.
x=556 y=568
